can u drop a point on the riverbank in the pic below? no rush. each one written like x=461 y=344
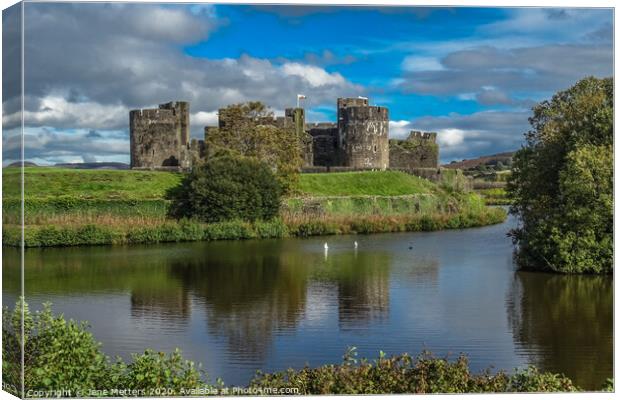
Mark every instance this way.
x=76 y=207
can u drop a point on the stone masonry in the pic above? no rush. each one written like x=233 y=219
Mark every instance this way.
x=159 y=138
x=419 y=150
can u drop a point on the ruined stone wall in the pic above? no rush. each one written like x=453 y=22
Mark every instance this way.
x=159 y=138
x=181 y=110
x=363 y=131
x=153 y=139
x=419 y=150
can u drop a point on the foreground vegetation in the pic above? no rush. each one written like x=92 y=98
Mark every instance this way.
x=63 y=355
x=65 y=207
x=562 y=183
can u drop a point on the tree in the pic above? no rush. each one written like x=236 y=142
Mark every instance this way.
x=248 y=130
x=226 y=188
x=562 y=182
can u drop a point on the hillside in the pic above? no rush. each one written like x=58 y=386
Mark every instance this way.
x=367 y=183
x=492 y=159
x=50 y=182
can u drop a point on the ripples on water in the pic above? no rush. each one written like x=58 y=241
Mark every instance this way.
x=241 y=306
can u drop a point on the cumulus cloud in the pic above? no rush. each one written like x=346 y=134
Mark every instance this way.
x=541 y=68
x=314 y=75
x=399 y=129
x=89 y=64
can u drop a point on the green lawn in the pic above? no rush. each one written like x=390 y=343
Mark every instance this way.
x=369 y=183
x=49 y=182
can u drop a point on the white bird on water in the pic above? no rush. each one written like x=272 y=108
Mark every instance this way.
x=355 y=244
x=325 y=246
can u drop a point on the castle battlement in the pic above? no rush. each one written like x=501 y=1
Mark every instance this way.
x=418 y=135
x=359 y=138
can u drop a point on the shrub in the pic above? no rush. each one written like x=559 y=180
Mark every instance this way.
x=406 y=374
x=63 y=355
x=226 y=188
x=58 y=354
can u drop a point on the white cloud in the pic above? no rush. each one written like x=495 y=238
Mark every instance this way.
x=204 y=118
x=314 y=75
x=451 y=137
x=57 y=111
x=420 y=63
x=399 y=129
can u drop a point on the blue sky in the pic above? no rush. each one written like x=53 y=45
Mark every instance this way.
x=471 y=74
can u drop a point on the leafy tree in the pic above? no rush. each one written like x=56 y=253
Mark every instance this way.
x=562 y=182
x=248 y=130
x=226 y=188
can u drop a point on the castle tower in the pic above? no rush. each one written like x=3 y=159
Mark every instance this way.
x=159 y=138
x=363 y=134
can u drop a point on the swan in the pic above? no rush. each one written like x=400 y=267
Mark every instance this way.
x=325 y=246
x=355 y=244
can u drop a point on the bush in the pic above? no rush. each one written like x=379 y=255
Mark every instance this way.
x=58 y=354
x=227 y=188
x=562 y=183
x=63 y=355
x=406 y=374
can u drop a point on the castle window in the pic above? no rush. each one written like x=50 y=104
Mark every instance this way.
x=375 y=150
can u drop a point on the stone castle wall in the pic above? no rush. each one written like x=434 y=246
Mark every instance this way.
x=326 y=151
x=159 y=138
x=419 y=150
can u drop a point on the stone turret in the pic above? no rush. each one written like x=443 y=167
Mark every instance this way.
x=159 y=138
x=363 y=134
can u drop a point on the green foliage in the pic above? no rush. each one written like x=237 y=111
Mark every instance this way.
x=63 y=355
x=226 y=188
x=181 y=231
x=248 y=130
x=58 y=354
x=495 y=196
x=406 y=374
x=156 y=373
x=562 y=182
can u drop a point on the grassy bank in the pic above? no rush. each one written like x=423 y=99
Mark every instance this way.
x=67 y=207
x=495 y=196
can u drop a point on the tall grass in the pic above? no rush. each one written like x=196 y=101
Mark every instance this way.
x=122 y=207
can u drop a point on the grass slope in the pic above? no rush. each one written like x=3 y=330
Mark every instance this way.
x=49 y=182
x=66 y=207
x=366 y=183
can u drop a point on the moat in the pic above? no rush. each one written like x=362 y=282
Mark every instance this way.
x=237 y=307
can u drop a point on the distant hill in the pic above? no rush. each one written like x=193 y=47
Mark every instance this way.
x=17 y=164
x=94 y=165
x=493 y=159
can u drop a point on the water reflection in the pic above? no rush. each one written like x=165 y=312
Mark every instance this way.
x=241 y=306
x=551 y=313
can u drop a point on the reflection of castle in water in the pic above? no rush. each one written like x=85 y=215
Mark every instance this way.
x=154 y=303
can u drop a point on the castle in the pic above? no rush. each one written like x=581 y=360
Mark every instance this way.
x=358 y=140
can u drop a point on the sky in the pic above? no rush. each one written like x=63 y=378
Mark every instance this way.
x=470 y=74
